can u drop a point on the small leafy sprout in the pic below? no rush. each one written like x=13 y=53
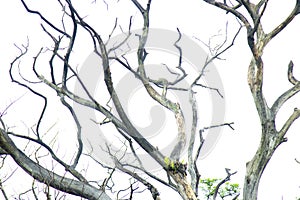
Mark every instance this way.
x=176 y=166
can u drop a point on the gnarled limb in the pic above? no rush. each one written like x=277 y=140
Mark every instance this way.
x=271 y=138
x=48 y=177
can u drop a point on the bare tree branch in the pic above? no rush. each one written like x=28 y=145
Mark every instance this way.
x=285 y=23
x=150 y=187
x=248 y=14
x=79 y=139
x=70 y=47
x=44 y=19
x=270 y=138
x=229 y=174
x=289 y=122
x=230 y=10
x=291 y=77
x=289 y=93
x=3 y=191
x=45 y=176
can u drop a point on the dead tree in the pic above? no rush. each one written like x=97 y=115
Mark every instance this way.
x=271 y=136
x=61 y=73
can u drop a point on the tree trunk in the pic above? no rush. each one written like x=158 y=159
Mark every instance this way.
x=184 y=188
x=270 y=140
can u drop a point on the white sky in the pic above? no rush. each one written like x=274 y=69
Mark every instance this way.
x=194 y=18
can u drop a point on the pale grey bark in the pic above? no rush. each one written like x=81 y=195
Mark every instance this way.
x=271 y=137
x=47 y=177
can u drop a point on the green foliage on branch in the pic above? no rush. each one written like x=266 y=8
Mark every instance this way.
x=176 y=166
x=209 y=185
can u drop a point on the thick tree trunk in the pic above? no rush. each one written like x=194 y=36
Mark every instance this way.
x=270 y=140
x=184 y=187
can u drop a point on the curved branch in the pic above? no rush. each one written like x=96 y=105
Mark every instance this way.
x=289 y=122
x=231 y=10
x=44 y=19
x=23 y=52
x=160 y=98
x=152 y=189
x=48 y=177
x=79 y=139
x=85 y=102
x=284 y=24
x=249 y=7
x=125 y=125
x=289 y=93
x=139 y=6
x=227 y=178
x=284 y=97
x=70 y=47
x=291 y=77
x=67 y=167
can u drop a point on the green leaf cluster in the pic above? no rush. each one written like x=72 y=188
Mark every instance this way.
x=208 y=187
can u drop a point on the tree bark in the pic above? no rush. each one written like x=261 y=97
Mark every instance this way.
x=255 y=167
x=184 y=187
x=48 y=177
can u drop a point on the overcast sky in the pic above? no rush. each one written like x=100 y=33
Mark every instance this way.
x=195 y=19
